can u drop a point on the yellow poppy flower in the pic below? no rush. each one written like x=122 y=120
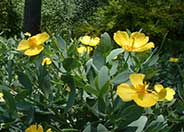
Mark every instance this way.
x=46 y=61
x=164 y=93
x=27 y=34
x=137 y=91
x=33 y=45
x=84 y=49
x=87 y=40
x=173 y=59
x=36 y=128
x=1 y=97
x=136 y=42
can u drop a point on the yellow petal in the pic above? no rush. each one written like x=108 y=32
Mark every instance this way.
x=148 y=100
x=145 y=47
x=33 y=51
x=139 y=39
x=81 y=49
x=49 y=130
x=1 y=95
x=39 y=38
x=46 y=61
x=40 y=128
x=158 y=87
x=84 y=49
x=27 y=34
x=94 y=41
x=173 y=59
x=121 y=38
x=85 y=40
x=137 y=79
x=23 y=45
x=170 y=94
x=32 y=128
x=125 y=92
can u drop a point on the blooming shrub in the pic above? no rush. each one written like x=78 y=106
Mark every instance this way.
x=62 y=90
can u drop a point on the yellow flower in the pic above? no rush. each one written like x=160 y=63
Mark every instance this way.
x=87 y=40
x=36 y=128
x=164 y=93
x=46 y=61
x=137 y=92
x=33 y=45
x=136 y=42
x=173 y=59
x=27 y=34
x=1 y=97
x=84 y=49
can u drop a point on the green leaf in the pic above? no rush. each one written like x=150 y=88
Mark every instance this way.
x=87 y=129
x=140 y=123
x=44 y=80
x=10 y=102
x=61 y=44
x=101 y=106
x=121 y=77
x=24 y=80
x=9 y=70
x=105 y=45
x=103 y=49
x=114 y=68
x=103 y=77
x=70 y=64
x=90 y=90
x=102 y=128
x=70 y=81
x=113 y=54
x=129 y=114
x=98 y=59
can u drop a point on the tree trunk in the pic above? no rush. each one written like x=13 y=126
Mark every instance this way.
x=32 y=16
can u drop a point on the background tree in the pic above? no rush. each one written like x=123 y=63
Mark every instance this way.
x=32 y=16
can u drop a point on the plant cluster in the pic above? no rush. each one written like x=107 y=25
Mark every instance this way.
x=46 y=83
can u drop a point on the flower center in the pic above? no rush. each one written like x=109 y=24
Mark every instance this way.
x=128 y=48
x=32 y=42
x=141 y=91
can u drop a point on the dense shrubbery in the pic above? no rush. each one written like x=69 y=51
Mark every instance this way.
x=156 y=17
x=73 y=84
x=78 y=91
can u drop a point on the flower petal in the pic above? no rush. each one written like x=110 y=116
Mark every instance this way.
x=158 y=87
x=84 y=49
x=145 y=47
x=170 y=94
x=40 y=38
x=46 y=61
x=148 y=100
x=139 y=39
x=85 y=40
x=137 y=79
x=125 y=92
x=94 y=41
x=81 y=49
x=33 y=51
x=31 y=128
x=49 y=130
x=121 y=38
x=23 y=45
x=40 y=128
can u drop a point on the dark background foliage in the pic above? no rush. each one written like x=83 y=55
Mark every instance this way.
x=154 y=17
